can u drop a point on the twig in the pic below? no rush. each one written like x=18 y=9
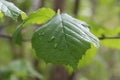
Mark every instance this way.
x=6 y=36
x=25 y=40
x=109 y=37
x=9 y=37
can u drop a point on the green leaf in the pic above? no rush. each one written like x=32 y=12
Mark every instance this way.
x=17 y=35
x=9 y=9
x=97 y=29
x=41 y=16
x=88 y=57
x=19 y=68
x=112 y=43
x=63 y=40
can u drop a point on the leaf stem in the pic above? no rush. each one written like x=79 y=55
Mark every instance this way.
x=58 y=11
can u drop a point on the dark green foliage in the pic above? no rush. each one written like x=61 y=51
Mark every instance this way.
x=38 y=17
x=63 y=40
x=17 y=36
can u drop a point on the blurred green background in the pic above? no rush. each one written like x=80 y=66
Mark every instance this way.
x=103 y=16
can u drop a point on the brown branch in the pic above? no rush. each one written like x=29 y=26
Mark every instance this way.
x=25 y=40
x=6 y=36
x=59 y=4
x=9 y=37
x=109 y=37
x=42 y=3
x=76 y=7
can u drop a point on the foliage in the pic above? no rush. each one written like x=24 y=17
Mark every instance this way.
x=17 y=36
x=39 y=17
x=19 y=68
x=36 y=17
x=65 y=38
x=112 y=43
x=9 y=9
x=103 y=19
x=88 y=57
x=69 y=31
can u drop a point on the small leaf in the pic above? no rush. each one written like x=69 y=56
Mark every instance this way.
x=63 y=40
x=9 y=9
x=41 y=16
x=38 y=17
x=23 y=15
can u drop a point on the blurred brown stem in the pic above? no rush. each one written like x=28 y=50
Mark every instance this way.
x=108 y=37
x=6 y=36
x=59 y=73
x=59 y=4
x=9 y=37
x=25 y=40
x=76 y=7
x=42 y=3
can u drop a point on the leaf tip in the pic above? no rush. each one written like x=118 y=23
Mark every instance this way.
x=23 y=15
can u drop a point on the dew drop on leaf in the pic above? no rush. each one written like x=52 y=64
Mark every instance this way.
x=55 y=45
x=51 y=39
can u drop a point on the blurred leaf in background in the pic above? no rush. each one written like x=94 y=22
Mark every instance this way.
x=9 y=9
x=19 y=68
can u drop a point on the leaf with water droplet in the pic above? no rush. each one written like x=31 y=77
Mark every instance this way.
x=65 y=41
x=52 y=38
x=55 y=46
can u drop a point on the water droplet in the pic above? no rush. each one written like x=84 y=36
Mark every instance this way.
x=52 y=38
x=55 y=45
x=41 y=34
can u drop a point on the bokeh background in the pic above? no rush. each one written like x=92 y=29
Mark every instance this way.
x=103 y=16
